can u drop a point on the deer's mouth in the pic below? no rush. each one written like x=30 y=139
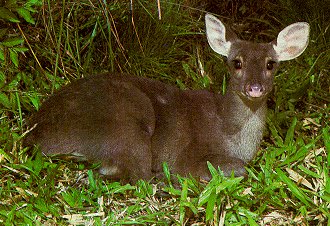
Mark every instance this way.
x=254 y=91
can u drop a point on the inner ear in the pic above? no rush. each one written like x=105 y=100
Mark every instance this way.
x=216 y=33
x=292 y=41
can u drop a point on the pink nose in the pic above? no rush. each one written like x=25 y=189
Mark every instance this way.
x=255 y=90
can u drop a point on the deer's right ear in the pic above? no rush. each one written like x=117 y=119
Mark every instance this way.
x=216 y=35
x=292 y=41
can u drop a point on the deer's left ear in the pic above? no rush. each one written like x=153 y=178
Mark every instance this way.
x=292 y=41
x=216 y=35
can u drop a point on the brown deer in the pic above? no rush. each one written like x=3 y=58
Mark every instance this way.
x=132 y=124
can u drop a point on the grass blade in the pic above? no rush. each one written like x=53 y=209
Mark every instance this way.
x=210 y=206
x=296 y=191
x=290 y=133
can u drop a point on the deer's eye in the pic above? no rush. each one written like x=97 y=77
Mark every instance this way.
x=270 y=65
x=237 y=64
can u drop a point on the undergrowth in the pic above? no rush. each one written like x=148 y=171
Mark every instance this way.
x=47 y=44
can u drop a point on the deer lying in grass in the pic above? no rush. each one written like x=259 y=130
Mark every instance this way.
x=132 y=124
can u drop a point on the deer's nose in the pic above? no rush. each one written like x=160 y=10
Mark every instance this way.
x=254 y=90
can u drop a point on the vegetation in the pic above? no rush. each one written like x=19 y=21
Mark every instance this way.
x=47 y=44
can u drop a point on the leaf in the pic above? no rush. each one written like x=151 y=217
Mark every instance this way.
x=296 y=191
x=15 y=82
x=34 y=2
x=12 y=42
x=35 y=100
x=183 y=199
x=189 y=71
x=275 y=133
x=122 y=189
x=228 y=183
x=326 y=136
x=250 y=215
x=4 y=100
x=91 y=180
x=6 y=14
x=2 y=77
x=167 y=172
x=298 y=155
x=14 y=57
x=210 y=206
x=69 y=198
x=205 y=194
x=20 y=49
x=308 y=171
x=180 y=84
x=26 y=15
x=212 y=170
x=290 y=133
x=2 y=54
x=325 y=197
x=224 y=85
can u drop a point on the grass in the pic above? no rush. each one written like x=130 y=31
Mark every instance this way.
x=47 y=44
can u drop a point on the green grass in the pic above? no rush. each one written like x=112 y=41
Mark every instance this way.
x=43 y=47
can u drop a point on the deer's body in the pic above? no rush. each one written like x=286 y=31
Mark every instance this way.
x=132 y=124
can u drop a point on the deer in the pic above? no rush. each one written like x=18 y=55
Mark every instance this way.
x=131 y=125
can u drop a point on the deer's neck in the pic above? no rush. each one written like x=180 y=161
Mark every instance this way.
x=244 y=124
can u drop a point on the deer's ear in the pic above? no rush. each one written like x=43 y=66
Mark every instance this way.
x=216 y=35
x=292 y=41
